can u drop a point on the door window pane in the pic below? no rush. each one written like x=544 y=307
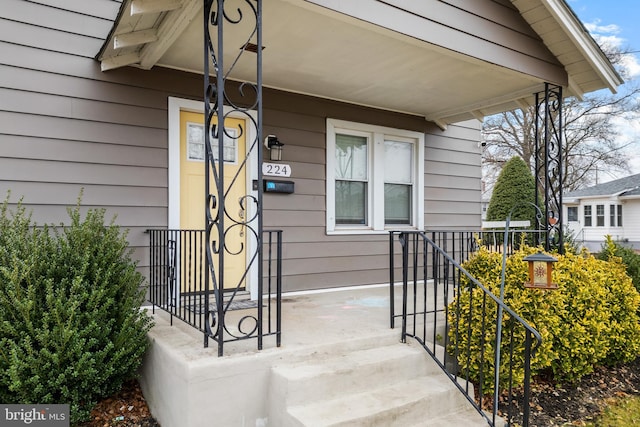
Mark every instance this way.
x=195 y=144
x=195 y=141
x=351 y=202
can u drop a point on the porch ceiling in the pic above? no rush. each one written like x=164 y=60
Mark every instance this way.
x=310 y=50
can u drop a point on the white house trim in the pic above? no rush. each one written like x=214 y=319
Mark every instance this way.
x=583 y=41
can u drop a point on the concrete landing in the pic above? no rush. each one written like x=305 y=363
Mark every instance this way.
x=333 y=344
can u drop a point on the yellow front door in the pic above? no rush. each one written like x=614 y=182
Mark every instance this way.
x=192 y=194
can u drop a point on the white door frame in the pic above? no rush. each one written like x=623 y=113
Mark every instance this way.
x=176 y=105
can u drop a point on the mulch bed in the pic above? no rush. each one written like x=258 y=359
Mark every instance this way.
x=573 y=405
x=127 y=408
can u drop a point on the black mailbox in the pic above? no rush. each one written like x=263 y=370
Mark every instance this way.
x=278 y=186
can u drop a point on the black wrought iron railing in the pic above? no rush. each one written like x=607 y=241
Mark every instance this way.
x=455 y=318
x=461 y=244
x=177 y=264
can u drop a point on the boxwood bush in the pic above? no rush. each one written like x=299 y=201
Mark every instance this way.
x=71 y=328
x=591 y=319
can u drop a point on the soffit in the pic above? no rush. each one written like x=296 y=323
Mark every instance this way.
x=319 y=52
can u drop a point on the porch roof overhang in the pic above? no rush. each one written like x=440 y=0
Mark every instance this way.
x=359 y=53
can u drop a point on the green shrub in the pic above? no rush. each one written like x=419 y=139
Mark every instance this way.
x=71 y=328
x=581 y=339
x=628 y=256
x=592 y=318
x=534 y=307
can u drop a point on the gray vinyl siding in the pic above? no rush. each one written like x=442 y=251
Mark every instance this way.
x=453 y=178
x=66 y=126
x=313 y=259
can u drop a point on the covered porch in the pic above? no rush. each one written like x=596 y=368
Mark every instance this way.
x=364 y=355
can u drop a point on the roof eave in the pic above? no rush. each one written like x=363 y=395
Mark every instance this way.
x=581 y=38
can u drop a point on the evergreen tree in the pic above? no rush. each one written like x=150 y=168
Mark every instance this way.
x=514 y=187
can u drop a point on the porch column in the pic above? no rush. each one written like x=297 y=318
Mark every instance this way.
x=226 y=98
x=549 y=164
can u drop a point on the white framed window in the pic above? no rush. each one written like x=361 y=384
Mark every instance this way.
x=587 y=216
x=615 y=215
x=375 y=178
x=619 y=224
x=599 y=215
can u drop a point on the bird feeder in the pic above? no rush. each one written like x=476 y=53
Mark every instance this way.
x=540 y=268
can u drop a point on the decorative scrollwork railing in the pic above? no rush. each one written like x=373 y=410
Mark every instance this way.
x=177 y=285
x=549 y=162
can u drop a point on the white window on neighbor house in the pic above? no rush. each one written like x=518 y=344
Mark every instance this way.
x=619 y=224
x=615 y=215
x=612 y=215
x=587 y=216
x=572 y=213
x=374 y=178
x=599 y=215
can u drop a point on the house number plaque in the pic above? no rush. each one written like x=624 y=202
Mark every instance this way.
x=276 y=169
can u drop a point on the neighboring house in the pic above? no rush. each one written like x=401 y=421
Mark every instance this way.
x=612 y=208
x=93 y=91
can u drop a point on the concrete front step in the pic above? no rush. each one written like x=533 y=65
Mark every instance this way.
x=411 y=402
x=388 y=385
x=352 y=372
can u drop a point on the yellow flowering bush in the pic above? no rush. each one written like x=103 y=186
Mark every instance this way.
x=592 y=318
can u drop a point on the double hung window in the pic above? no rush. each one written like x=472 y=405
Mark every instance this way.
x=600 y=215
x=587 y=216
x=615 y=215
x=374 y=178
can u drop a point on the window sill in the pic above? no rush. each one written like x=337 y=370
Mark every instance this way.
x=367 y=231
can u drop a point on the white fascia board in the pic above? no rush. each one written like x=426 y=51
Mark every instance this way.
x=603 y=197
x=584 y=42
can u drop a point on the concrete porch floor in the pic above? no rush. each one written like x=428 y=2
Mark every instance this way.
x=309 y=319
x=188 y=385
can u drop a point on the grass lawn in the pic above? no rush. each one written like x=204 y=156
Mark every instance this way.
x=619 y=413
